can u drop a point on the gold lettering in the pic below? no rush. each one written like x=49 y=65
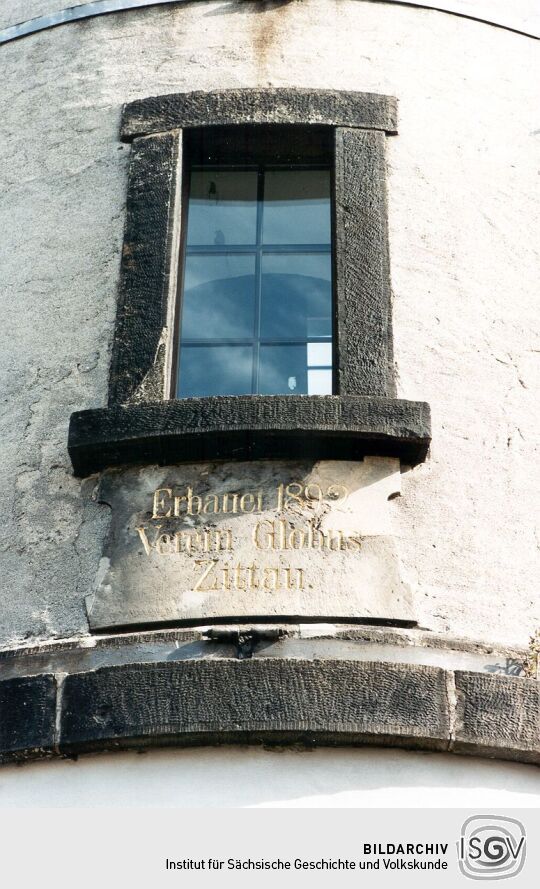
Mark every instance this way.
x=206 y=573
x=337 y=492
x=161 y=503
x=163 y=544
x=211 y=504
x=313 y=492
x=244 y=500
x=187 y=541
x=282 y=540
x=271 y=579
x=315 y=538
x=238 y=581
x=217 y=540
x=296 y=539
x=226 y=503
x=334 y=537
x=145 y=542
x=294 y=490
x=263 y=539
x=291 y=584
x=177 y=502
x=226 y=581
x=193 y=502
x=240 y=577
x=252 y=579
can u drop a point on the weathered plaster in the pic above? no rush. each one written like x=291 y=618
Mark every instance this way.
x=463 y=233
x=522 y=16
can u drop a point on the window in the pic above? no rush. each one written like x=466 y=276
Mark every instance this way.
x=275 y=339
x=256 y=311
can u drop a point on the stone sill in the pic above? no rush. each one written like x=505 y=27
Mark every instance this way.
x=249 y=427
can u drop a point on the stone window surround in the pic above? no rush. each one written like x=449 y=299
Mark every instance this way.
x=141 y=423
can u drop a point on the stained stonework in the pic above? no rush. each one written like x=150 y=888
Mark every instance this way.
x=263 y=539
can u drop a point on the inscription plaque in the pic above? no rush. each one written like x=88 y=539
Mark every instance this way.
x=250 y=540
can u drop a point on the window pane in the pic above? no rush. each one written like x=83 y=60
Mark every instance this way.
x=251 y=314
x=319 y=382
x=296 y=296
x=296 y=207
x=215 y=370
x=222 y=207
x=283 y=370
x=219 y=297
x=319 y=354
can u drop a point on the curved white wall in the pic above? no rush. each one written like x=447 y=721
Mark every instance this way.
x=238 y=777
x=522 y=15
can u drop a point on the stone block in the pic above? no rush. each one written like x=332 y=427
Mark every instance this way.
x=498 y=716
x=27 y=716
x=279 y=540
x=217 y=701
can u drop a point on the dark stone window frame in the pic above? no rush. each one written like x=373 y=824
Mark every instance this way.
x=141 y=422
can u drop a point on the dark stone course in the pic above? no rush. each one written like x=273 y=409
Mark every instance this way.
x=499 y=716
x=144 y=272
x=248 y=427
x=27 y=717
x=216 y=699
x=336 y=108
x=225 y=699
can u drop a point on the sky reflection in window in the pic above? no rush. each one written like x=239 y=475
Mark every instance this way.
x=256 y=311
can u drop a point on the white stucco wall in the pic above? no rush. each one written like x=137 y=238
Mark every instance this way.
x=522 y=15
x=242 y=777
x=464 y=233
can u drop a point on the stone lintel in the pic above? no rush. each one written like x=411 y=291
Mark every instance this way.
x=334 y=108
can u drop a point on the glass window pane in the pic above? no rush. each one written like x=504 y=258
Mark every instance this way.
x=219 y=297
x=319 y=354
x=283 y=370
x=251 y=305
x=319 y=382
x=296 y=207
x=296 y=296
x=222 y=207
x=215 y=370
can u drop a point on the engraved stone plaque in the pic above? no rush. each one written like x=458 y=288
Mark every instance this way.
x=258 y=540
